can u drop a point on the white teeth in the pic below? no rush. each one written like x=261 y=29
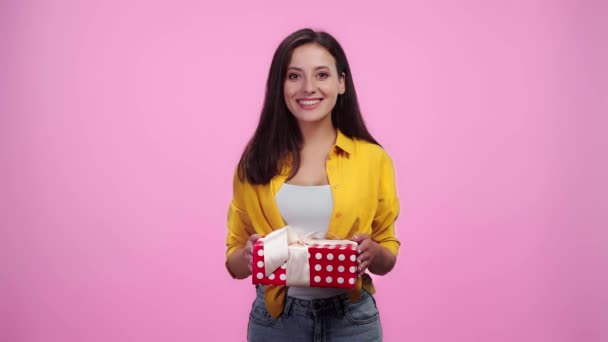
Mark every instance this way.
x=309 y=102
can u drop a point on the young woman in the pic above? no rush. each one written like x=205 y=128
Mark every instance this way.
x=313 y=164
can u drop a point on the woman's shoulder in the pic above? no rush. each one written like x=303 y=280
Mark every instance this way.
x=240 y=182
x=366 y=149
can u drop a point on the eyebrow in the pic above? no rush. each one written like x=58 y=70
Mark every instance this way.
x=317 y=68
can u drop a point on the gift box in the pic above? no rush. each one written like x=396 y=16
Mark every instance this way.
x=284 y=260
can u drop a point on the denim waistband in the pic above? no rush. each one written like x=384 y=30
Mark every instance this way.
x=331 y=304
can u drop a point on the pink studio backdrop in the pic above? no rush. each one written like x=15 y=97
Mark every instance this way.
x=122 y=121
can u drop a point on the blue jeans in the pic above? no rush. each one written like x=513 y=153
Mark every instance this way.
x=332 y=319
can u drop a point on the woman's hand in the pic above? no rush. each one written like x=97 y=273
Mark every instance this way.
x=372 y=256
x=248 y=248
x=239 y=262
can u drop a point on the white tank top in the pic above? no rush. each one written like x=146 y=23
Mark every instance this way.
x=307 y=209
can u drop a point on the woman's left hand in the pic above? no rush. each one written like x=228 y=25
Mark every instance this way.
x=369 y=250
x=372 y=256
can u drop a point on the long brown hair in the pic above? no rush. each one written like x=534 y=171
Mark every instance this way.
x=278 y=135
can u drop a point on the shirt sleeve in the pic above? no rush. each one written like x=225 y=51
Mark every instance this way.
x=383 y=225
x=239 y=225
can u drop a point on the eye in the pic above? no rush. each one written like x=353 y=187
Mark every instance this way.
x=293 y=76
x=323 y=75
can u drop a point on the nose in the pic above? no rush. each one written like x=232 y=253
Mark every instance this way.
x=309 y=85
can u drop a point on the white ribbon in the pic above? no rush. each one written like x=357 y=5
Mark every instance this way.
x=298 y=268
x=286 y=246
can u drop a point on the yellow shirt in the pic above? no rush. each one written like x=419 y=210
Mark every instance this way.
x=362 y=180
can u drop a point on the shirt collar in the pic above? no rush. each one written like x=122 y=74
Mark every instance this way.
x=344 y=143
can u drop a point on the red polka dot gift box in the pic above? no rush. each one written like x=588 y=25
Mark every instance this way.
x=283 y=260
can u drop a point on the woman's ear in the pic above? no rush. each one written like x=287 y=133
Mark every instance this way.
x=342 y=87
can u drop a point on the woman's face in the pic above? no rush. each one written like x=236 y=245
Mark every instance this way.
x=312 y=83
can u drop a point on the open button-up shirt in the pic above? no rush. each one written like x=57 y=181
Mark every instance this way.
x=362 y=180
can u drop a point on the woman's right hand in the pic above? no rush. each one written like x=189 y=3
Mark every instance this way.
x=240 y=261
x=248 y=248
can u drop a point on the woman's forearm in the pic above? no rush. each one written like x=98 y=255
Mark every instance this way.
x=238 y=264
x=383 y=263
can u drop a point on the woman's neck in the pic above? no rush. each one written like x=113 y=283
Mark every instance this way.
x=318 y=136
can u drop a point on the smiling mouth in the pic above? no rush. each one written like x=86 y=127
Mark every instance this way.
x=309 y=103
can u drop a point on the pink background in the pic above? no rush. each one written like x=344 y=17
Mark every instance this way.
x=122 y=121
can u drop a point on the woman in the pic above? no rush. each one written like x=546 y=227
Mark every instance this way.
x=312 y=164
